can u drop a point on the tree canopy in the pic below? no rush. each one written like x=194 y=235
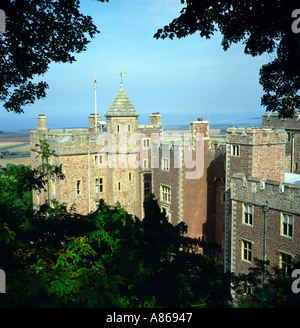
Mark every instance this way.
x=263 y=27
x=275 y=293
x=38 y=32
x=54 y=257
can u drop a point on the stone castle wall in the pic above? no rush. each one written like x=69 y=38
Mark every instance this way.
x=282 y=199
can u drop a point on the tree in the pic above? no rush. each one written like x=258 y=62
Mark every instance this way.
x=263 y=27
x=160 y=266
x=38 y=32
x=46 y=254
x=277 y=291
x=54 y=257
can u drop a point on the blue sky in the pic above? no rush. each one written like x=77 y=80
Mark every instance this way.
x=183 y=79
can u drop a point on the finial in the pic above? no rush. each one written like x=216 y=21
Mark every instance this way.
x=122 y=74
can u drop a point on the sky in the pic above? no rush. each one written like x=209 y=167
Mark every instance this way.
x=183 y=79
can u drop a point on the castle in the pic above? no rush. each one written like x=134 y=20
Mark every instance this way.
x=235 y=193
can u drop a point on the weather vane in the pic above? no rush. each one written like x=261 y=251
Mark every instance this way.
x=122 y=74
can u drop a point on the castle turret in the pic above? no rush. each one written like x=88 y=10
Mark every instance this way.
x=122 y=115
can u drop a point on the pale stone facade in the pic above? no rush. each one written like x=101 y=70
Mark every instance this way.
x=99 y=162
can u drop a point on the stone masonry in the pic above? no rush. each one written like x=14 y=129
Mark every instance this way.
x=211 y=186
x=282 y=199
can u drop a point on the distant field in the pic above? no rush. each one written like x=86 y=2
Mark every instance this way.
x=16 y=161
x=5 y=144
x=15 y=135
x=216 y=134
x=18 y=144
x=15 y=146
x=16 y=139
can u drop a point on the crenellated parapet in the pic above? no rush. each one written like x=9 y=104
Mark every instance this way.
x=280 y=196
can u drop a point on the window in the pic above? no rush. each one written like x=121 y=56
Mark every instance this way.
x=247 y=214
x=118 y=128
x=98 y=159
x=146 y=189
x=165 y=194
x=129 y=176
x=287 y=225
x=128 y=128
x=246 y=250
x=165 y=164
x=222 y=196
x=289 y=136
x=78 y=187
x=99 y=185
x=235 y=150
x=119 y=186
x=145 y=164
x=146 y=143
x=285 y=263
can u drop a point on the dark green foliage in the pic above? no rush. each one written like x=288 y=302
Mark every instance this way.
x=54 y=257
x=38 y=32
x=263 y=27
x=57 y=258
x=160 y=266
x=277 y=291
x=49 y=261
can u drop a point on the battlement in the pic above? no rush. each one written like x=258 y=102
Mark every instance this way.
x=273 y=121
x=62 y=135
x=280 y=195
x=68 y=141
x=148 y=129
x=245 y=131
x=255 y=135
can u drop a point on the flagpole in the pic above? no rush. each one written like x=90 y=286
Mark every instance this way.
x=95 y=84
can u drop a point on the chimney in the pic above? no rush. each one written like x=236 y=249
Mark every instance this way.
x=155 y=119
x=42 y=122
x=92 y=120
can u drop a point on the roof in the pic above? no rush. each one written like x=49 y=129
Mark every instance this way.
x=121 y=106
x=292 y=178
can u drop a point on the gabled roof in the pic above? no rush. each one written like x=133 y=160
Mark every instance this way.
x=121 y=106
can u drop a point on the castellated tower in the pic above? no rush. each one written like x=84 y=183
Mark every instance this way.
x=255 y=152
x=102 y=161
x=122 y=161
x=292 y=128
x=123 y=177
x=252 y=152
